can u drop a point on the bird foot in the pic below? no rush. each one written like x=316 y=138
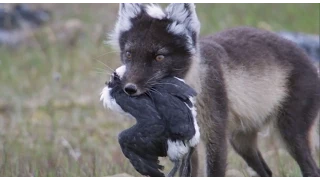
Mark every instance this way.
x=177 y=164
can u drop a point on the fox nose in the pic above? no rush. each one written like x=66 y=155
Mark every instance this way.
x=130 y=88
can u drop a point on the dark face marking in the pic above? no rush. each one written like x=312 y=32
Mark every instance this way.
x=150 y=52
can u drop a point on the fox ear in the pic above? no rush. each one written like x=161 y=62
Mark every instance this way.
x=126 y=12
x=129 y=10
x=185 y=16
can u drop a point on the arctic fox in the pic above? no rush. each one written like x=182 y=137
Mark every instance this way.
x=245 y=78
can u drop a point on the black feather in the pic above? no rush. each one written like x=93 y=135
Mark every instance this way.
x=161 y=115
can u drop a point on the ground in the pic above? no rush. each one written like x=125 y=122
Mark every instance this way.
x=51 y=120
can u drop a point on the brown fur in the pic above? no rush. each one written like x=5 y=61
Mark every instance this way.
x=250 y=77
x=246 y=78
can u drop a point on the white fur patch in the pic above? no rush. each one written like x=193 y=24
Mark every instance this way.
x=155 y=11
x=185 y=22
x=105 y=95
x=177 y=28
x=176 y=150
x=248 y=109
x=106 y=98
x=179 y=79
x=127 y=11
x=108 y=101
x=196 y=138
x=183 y=15
x=121 y=70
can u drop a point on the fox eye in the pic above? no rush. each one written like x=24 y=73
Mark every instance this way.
x=159 y=57
x=128 y=55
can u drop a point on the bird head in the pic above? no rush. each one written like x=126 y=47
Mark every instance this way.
x=115 y=79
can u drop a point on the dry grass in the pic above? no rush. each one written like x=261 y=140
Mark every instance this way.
x=51 y=120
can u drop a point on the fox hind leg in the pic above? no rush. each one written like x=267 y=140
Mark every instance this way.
x=245 y=144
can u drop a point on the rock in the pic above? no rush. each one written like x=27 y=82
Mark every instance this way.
x=63 y=33
x=21 y=15
x=310 y=43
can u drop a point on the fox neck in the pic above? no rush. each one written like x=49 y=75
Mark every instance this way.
x=192 y=77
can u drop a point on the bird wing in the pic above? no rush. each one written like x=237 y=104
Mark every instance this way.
x=177 y=115
x=176 y=87
x=142 y=144
x=140 y=107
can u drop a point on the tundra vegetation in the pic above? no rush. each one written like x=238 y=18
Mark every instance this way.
x=51 y=120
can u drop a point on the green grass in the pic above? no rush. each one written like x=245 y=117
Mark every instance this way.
x=46 y=121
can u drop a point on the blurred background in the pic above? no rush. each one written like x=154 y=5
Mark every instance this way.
x=54 y=63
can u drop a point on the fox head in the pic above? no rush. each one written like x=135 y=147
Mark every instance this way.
x=155 y=43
